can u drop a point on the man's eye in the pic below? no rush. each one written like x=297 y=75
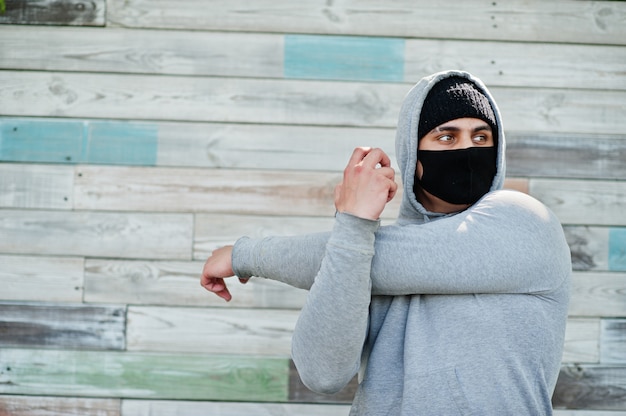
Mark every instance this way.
x=445 y=139
x=480 y=139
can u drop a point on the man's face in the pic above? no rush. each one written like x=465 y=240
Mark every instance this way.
x=460 y=133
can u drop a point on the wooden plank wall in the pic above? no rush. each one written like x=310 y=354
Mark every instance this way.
x=136 y=136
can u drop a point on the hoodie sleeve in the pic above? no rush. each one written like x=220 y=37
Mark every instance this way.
x=327 y=350
x=508 y=242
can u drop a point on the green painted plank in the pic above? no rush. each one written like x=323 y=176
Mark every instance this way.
x=54 y=12
x=344 y=57
x=143 y=375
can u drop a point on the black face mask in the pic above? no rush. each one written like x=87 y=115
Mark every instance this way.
x=458 y=176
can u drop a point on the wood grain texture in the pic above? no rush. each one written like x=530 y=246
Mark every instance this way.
x=589 y=247
x=36 y=186
x=54 y=12
x=97 y=234
x=177 y=284
x=41 y=279
x=597 y=294
x=583 y=156
x=583 y=202
x=584 y=22
x=62 y=326
x=143 y=375
x=215 y=230
x=581 y=341
x=260 y=55
x=591 y=387
x=261 y=332
x=273 y=101
x=168 y=408
x=298 y=392
x=51 y=406
x=613 y=341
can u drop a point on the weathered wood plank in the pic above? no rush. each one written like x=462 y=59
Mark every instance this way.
x=328 y=103
x=177 y=284
x=560 y=412
x=581 y=341
x=36 y=186
x=261 y=332
x=143 y=375
x=168 y=408
x=96 y=234
x=48 y=279
x=201 y=190
x=62 y=326
x=582 y=201
x=215 y=230
x=260 y=55
x=566 y=156
x=49 y=406
x=597 y=22
x=591 y=387
x=589 y=247
x=54 y=12
x=613 y=341
x=596 y=294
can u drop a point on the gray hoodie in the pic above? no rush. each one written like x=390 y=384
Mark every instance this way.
x=444 y=314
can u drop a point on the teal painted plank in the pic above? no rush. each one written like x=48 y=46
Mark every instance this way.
x=617 y=249
x=121 y=143
x=62 y=141
x=344 y=57
x=35 y=140
x=143 y=375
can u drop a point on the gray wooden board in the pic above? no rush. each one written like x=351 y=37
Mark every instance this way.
x=62 y=326
x=597 y=387
x=596 y=294
x=260 y=55
x=41 y=278
x=329 y=103
x=585 y=202
x=97 y=234
x=54 y=12
x=613 y=341
x=177 y=284
x=584 y=22
x=589 y=247
x=50 y=406
x=584 y=156
x=298 y=392
x=581 y=341
x=261 y=332
x=36 y=186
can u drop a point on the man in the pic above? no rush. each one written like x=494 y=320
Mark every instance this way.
x=459 y=308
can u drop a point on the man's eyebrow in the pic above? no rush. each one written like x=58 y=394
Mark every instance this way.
x=454 y=128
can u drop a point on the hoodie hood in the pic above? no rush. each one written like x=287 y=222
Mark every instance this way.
x=407 y=141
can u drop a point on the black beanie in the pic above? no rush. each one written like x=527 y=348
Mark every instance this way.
x=452 y=98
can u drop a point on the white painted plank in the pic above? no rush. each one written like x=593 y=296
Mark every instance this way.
x=581 y=341
x=178 y=284
x=142 y=51
x=168 y=408
x=258 y=146
x=35 y=186
x=328 y=103
x=96 y=234
x=596 y=294
x=536 y=20
x=50 y=279
x=260 y=55
x=216 y=230
x=204 y=190
x=211 y=330
x=583 y=202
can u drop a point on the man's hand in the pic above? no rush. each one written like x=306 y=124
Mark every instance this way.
x=217 y=267
x=368 y=184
